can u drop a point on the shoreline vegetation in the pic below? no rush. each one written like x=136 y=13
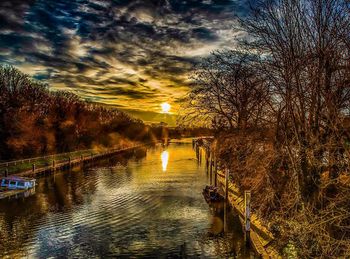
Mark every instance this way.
x=35 y=121
x=279 y=104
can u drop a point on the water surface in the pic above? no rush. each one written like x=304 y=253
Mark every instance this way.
x=146 y=203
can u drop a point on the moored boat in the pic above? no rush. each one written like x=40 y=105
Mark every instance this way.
x=15 y=187
x=17 y=183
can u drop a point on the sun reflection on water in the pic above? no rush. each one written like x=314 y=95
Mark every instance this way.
x=165 y=158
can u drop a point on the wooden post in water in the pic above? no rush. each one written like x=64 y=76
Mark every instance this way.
x=199 y=155
x=247 y=210
x=227 y=173
x=198 y=151
x=33 y=168
x=206 y=161
x=225 y=216
x=211 y=169
x=207 y=155
x=215 y=173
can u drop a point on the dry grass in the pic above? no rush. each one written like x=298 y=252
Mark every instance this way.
x=319 y=227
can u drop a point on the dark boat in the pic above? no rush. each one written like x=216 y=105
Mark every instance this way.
x=211 y=194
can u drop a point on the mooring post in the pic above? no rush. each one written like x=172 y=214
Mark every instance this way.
x=211 y=169
x=206 y=161
x=215 y=173
x=247 y=210
x=227 y=173
x=199 y=155
x=225 y=216
x=207 y=154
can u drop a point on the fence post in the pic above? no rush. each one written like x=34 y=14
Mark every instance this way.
x=247 y=210
x=227 y=173
x=211 y=169
x=206 y=161
x=215 y=173
x=225 y=216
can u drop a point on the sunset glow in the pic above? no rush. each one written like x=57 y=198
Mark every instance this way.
x=165 y=159
x=124 y=54
x=165 y=107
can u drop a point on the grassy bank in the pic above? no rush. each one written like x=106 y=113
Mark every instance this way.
x=303 y=227
x=18 y=166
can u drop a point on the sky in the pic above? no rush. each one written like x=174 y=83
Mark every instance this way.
x=133 y=55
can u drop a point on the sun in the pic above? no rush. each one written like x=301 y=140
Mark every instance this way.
x=165 y=107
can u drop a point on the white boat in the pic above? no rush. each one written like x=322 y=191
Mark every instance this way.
x=17 y=183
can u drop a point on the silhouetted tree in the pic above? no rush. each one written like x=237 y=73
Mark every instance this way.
x=229 y=91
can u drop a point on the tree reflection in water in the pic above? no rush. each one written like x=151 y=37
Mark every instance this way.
x=122 y=207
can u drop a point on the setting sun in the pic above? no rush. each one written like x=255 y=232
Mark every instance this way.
x=165 y=107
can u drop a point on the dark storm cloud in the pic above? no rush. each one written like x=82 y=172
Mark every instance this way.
x=139 y=50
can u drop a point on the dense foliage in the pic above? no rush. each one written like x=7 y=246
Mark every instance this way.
x=34 y=120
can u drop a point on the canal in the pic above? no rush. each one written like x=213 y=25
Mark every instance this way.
x=145 y=203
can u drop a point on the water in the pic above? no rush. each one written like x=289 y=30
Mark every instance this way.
x=146 y=203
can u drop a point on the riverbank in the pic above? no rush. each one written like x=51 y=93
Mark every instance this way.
x=260 y=238
x=301 y=225
x=46 y=164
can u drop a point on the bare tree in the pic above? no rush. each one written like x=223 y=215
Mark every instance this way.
x=228 y=91
x=305 y=44
x=298 y=81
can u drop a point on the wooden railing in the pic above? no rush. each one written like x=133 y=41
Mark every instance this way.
x=37 y=164
x=33 y=159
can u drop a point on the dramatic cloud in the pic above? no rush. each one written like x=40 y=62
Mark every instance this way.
x=130 y=54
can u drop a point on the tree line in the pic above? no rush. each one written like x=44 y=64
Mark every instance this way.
x=285 y=92
x=35 y=120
